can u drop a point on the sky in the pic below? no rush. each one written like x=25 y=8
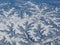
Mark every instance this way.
x=51 y=2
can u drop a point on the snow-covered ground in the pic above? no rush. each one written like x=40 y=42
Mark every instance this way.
x=29 y=24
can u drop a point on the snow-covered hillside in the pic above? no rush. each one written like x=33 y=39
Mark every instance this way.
x=29 y=24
